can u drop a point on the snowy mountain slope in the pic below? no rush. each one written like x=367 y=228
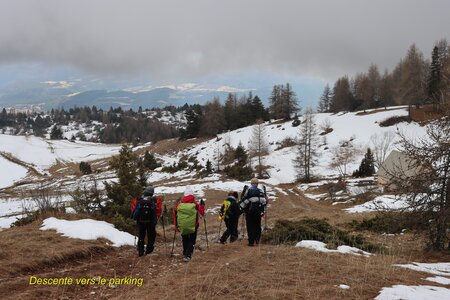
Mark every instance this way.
x=11 y=172
x=42 y=153
x=346 y=126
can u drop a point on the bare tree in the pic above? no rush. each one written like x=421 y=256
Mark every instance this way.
x=343 y=155
x=218 y=154
x=382 y=145
x=307 y=147
x=258 y=145
x=427 y=187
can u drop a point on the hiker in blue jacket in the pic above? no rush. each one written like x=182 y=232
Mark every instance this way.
x=253 y=203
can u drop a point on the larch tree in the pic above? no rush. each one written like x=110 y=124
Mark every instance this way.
x=213 y=121
x=258 y=145
x=342 y=96
x=411 y=87
x=382 y=145
x=283 y=102
x=276 y=105
x=343 y=155
x=307 y=154
x=290 y=102
x=427 y=188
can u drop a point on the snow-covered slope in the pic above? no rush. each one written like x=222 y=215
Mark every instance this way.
x=346 y=126
x=42 y=154
x=11 y=172
x=355 y=127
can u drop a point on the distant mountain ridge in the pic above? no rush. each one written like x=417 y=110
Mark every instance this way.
x=68 y=97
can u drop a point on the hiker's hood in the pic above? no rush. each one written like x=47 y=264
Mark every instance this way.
x=231 y=198
x=188 y=199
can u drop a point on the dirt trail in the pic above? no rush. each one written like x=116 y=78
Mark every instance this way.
x=223 y=271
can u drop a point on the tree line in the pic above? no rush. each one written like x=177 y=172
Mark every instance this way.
x=117 y=125
x=414 y=81
x=237 y=112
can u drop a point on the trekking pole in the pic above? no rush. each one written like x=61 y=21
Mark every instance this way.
x=243 y=223
x=173 y=242
x=220 y=227
x=164 y=232
x=206 y=231
x=135 y=233
x=164 y=228
x=266 y=227
x=242 y=226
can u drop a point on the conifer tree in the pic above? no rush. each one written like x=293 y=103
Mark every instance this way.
x=258 y=145
x=325 y=99
x=307 y=155
x=56 y=133
x=434 y=79
x=126 y=166
x=229 y=112
x=194 y=116
x=150 y=161
x=290 y=102
x=283 y=102
x=342 y=98
x=208 y=167
x=85 y=168
x=366 y=168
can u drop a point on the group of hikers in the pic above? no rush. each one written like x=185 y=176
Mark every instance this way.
x=147 y=210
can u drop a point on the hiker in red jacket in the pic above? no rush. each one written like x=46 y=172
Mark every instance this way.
x=186 y=214
x=146 y=210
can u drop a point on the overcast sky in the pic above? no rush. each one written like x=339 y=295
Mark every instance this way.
x=191 y=39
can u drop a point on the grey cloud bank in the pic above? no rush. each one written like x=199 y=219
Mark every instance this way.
x=166 y=39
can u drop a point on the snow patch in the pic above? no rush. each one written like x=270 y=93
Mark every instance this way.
x=423 y=292
x=439 y=279
x=11 y=172
x=88 y=229
x=344 y=286
x=442 y=269
x=322 y=247
x=7 y=221
x=385 y=202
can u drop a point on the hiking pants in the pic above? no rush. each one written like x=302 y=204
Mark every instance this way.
x=189 y=243
x=232 y=229
x=253 y=228
x=149 y=228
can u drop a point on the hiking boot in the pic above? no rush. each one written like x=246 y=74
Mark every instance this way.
x=141 y=253
x=186 y=259
x=149 y=250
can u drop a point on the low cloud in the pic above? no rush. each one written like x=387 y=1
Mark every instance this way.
x=166 y=39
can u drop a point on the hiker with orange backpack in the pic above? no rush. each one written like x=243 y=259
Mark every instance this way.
x=186 y=214
x=229 y=213
x=146 y=210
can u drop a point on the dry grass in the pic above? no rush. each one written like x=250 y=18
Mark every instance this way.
x=27 y=248
x=172 y=145
x=235 y=271
x=374 y=111
x=231 y=271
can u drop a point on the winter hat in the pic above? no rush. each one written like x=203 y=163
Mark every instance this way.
x=149 y=191
x=188 y=192
x=254 y=181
